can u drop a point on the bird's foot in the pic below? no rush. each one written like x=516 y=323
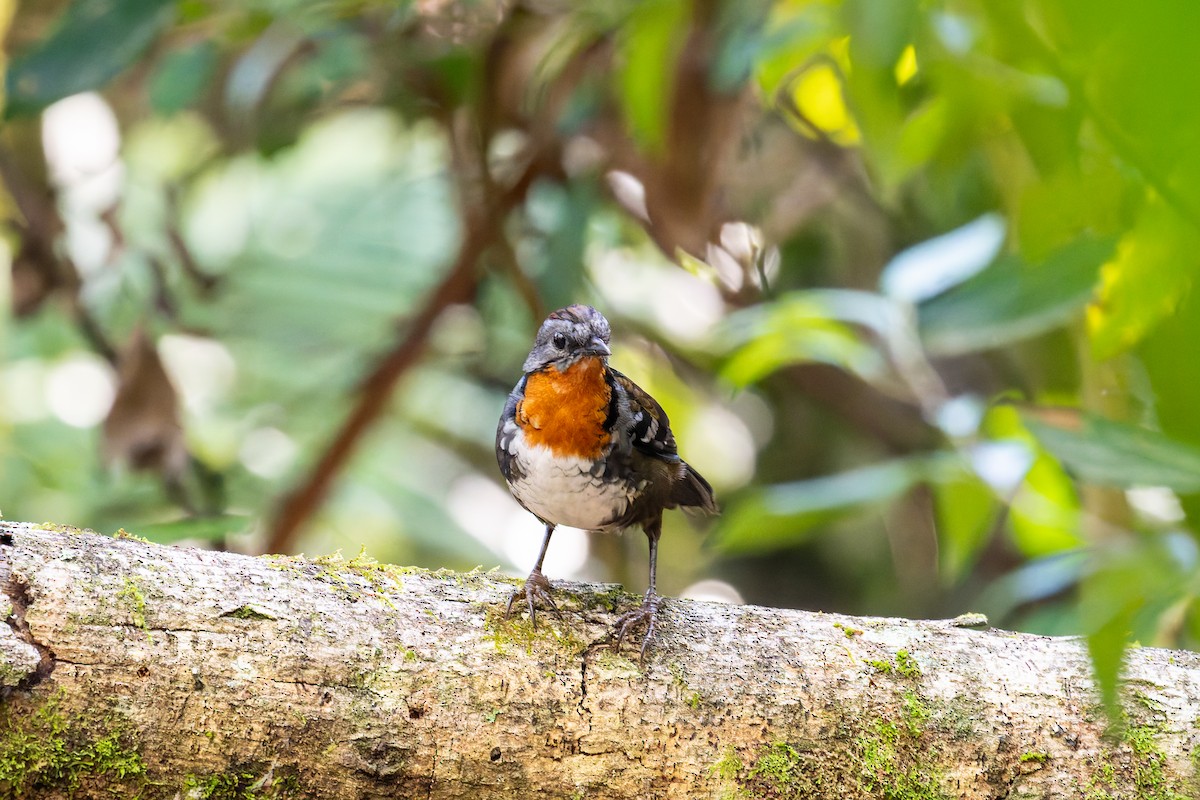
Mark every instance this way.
x=536 y=590
x=646 y=613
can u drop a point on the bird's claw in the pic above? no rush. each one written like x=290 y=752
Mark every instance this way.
x=646 y=613
x=536 y=589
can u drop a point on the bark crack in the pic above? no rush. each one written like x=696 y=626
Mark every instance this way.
x=432 y=772
x=582 y=706
x=17 y=591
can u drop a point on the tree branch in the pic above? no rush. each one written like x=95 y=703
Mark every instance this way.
x=483 y=228
x=49 y=271
x=331 y=678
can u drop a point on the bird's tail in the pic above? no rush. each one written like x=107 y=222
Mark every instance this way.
x=692 y=491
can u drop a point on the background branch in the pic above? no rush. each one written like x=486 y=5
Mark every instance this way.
x=483 y=228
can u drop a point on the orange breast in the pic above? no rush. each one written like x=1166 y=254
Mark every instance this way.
x=565 y=411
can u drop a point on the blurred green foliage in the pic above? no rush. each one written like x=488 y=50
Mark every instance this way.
x=930 y=338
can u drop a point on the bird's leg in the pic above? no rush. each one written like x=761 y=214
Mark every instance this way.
x=647 y=612
x=536 y=586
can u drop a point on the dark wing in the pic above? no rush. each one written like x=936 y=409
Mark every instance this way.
x=506 y=431
x=650 y=430
x=650 y=434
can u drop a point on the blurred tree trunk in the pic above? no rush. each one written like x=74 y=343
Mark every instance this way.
x=132 y=668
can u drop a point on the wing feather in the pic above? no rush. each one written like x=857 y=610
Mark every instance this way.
x=650 y=429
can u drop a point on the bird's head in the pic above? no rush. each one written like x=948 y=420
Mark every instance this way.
x=568 y=335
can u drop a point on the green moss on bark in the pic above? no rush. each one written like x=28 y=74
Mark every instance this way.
x=521 y=632
x=244 y=782
x=1137 y=765
x=44 y=750
x=135 y=602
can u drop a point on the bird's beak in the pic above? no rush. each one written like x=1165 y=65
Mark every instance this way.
x=598 y=347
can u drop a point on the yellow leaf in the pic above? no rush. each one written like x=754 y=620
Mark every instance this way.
x=818 y=95
x=906 y=66
x=1152 y=270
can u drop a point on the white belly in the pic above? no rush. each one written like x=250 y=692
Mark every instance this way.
x=565 y=492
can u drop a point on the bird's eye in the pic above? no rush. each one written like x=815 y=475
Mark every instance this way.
x=559 y=340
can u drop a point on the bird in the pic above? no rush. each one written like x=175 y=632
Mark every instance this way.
x=582 y=445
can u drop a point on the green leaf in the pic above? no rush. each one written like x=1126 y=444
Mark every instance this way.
x=1013 y=300
x=1124 y=596
x=182 y=77
x=1054 y=210
x=965 y=511
x=811 y=326
x=819 y=340
x=780 y=516
x=923 y=134
x=1043 y=514
x=794 y=33
x=1111 y=453
x=1175 y=382
x=94 y=42
x=649 y=46
x=1106 y=645
x=742 y=36
x=1034 y=583
x=559 y=215
x=195 y=528
x=1154 y=267
x=879 y=32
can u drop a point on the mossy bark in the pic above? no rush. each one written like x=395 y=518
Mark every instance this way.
x=131 y=669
